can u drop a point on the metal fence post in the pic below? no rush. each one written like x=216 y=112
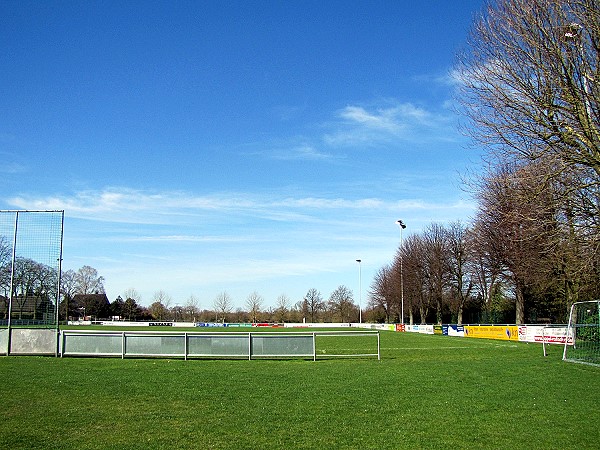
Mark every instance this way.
x=249 y=346
x=185 y=346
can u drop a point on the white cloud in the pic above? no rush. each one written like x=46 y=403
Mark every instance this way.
x=300 y=153
x=117 y=204
x=358 y=125
x=332 y=203
x=123 y=205
x=385 y=120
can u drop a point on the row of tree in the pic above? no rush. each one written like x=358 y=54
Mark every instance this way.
x=339 y=307
x=529 y=91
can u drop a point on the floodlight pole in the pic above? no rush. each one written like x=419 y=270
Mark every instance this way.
x=402 y=226
x=359 y=291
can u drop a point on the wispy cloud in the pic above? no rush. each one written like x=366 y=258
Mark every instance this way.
x=304 y=152
x=124 y=205
x=188 y=239
x=366 y=127
x=332 y=203
x=117 y=204
x=358 y=125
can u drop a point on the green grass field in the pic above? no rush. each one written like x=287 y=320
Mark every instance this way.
x=426 y=392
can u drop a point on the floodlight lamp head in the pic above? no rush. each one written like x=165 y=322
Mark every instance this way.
x=359 y=261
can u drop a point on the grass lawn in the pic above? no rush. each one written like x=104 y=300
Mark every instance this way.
x=426 y=392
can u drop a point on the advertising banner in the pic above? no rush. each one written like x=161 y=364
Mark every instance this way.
x=456 y=330
x=556 y=334
x=501 y=332
x=210 y=325
x=423 y=329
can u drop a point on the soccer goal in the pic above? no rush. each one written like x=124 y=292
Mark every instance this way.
x=583 y=334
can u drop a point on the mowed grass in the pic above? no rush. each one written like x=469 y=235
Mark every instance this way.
x=426 y=392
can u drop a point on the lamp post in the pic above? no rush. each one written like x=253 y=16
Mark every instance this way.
x=359 y=291
x=402 y=227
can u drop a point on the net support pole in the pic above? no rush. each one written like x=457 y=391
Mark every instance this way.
x=569 y=330
x=58 y=283
x=12 y=281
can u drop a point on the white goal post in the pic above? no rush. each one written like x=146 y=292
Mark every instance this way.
x=583 y=334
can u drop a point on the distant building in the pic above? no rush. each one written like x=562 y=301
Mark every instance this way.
x=28 y=307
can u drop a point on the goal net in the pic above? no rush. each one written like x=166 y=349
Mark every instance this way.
x=583 y=332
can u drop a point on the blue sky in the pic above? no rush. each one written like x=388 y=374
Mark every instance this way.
x=239 y=146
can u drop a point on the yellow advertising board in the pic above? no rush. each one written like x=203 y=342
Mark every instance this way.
x=503 y=332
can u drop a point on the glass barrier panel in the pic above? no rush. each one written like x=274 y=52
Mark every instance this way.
x=225 y=345
x=97 y=344
x=282 y=345
x=154 y=345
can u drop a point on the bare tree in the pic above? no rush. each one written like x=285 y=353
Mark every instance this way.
x=68 y=283
x=486 y=265
x=159 y=296
x=282 y=307
x=461 y=279
x=436 y=262
x=515 y=227
x=88 y=281
x=223 y=305
x=530 y=79
x=530 y=89
x=133 y=294
x=341 y=304
x=314 y=303
x=301 y=310
x=415 y=277
x=191 y=309
x=254 y=304
x=384 y=291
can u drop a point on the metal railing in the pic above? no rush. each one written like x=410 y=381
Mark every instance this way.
x=227 y=345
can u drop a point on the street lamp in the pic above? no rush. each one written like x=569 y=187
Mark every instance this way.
x=359 y=292
x=402 y=227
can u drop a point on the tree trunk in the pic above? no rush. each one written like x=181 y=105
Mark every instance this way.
x=519 y=305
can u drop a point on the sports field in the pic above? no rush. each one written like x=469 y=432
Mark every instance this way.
x=426 y=392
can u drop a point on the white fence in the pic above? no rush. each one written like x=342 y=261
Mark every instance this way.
x=229 y=345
